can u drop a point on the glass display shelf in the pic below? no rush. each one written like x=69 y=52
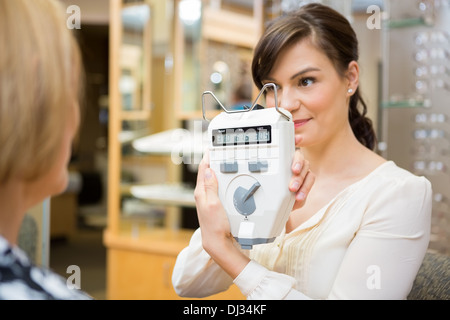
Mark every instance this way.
x=406 y=23
x=403 y=104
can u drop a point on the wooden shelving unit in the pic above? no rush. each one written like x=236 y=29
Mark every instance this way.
x=141 y=252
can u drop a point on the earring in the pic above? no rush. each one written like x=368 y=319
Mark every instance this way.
x=350 y=90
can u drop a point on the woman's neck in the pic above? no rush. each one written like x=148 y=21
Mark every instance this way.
x=336 y=156
x=12 y=210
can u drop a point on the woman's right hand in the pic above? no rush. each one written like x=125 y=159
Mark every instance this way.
x=217 y=239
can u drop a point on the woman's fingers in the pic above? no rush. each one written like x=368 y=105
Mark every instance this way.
x=306 y=186
x=300 y=168
x=302 y=178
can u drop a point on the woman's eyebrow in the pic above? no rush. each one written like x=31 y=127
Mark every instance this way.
x=306 y=70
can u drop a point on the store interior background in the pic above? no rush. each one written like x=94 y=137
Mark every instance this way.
x=118 y=251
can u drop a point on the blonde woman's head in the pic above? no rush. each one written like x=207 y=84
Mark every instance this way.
x=40 y=69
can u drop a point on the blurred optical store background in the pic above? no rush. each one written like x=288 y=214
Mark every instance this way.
x=129 y=208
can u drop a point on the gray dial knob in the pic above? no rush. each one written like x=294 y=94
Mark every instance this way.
x=243 y=199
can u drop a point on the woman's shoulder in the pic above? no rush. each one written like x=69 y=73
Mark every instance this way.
x=397 y=201
x=389 y=176
x=390 y=169
x=22 y=280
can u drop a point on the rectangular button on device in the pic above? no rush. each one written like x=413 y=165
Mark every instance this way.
x=229 y=167
x=258 y=166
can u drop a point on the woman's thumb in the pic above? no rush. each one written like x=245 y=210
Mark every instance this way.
x=210 y=182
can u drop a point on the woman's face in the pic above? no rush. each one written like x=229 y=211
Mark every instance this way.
x=310 y=88
x=55 y=180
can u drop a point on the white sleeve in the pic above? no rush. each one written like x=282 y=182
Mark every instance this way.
x=383 y=259
x=258 y=283
x=195 y=274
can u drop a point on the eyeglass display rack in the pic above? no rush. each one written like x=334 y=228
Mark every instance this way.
x=415 y=100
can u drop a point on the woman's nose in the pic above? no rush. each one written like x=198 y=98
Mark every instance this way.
x=288 y=101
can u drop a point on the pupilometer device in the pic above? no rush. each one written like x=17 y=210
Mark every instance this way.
x=251 y=153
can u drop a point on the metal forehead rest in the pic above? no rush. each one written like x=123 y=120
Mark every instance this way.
x=264 y=88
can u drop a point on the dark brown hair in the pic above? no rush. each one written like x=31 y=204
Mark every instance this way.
x=333 y=35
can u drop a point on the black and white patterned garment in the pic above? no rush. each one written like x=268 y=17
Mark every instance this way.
x=21 y=280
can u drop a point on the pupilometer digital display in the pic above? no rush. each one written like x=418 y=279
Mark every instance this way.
x=242 y=136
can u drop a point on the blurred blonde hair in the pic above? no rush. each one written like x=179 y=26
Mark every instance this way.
x=40 y=71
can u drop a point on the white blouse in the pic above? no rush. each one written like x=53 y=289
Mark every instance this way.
x=366 y=243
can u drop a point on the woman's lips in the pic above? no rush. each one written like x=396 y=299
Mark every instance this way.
x=301 y=122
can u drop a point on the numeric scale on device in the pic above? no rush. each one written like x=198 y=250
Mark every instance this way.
x=251 y=152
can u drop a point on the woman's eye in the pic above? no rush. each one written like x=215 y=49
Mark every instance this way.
x=270 y=88
x=306 y=82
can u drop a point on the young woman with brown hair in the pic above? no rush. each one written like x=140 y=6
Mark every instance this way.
x=360 y=225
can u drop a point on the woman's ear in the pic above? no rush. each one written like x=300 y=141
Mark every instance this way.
x=352 y=76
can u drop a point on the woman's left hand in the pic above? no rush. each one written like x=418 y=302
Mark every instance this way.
x=302 y=178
